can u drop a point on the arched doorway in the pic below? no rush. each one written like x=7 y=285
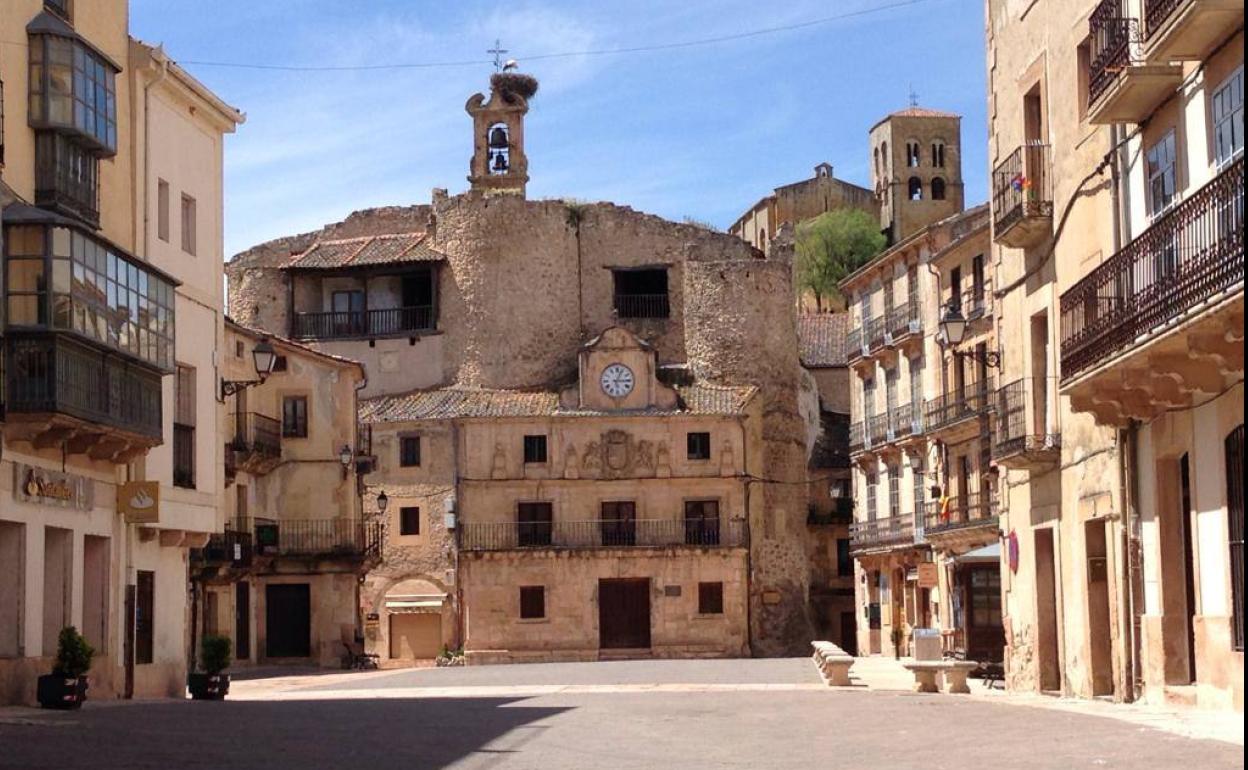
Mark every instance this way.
x=411 y=621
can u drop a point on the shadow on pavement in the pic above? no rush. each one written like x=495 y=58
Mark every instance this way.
x=416 y=733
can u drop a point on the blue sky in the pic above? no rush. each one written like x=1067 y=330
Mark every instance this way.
x=701 y=131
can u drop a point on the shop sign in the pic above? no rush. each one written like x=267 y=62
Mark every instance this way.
x=929 y=575
x=54 y=488
x=139 y=501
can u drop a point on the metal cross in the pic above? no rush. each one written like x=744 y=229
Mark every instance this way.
x=914 y=97
x=498 y=52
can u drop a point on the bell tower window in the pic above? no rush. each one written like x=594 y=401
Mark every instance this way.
x=915 y=189
x=499 y=149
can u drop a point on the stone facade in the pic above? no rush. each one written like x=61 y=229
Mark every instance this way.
x=792 y=204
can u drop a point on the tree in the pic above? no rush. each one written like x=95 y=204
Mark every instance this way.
x=833 y=245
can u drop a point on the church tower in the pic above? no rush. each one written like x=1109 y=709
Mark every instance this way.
x=916 y=169
x=499 y=165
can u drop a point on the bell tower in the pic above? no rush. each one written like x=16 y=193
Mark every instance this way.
x=499 y=165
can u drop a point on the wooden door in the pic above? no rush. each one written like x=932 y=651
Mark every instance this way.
x=242 y=620
x=288 y=620
x=985 y=634
x=624 y=613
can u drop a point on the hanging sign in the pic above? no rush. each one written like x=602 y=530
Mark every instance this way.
x=139 y=501
x=55 y=488
x=929 y=574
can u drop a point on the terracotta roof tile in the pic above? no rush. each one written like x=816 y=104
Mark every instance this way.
x=821 y=339
x=923 y=112
x=365 y=250
x=455 y=402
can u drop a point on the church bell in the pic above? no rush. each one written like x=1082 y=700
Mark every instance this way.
x=498 y=138
x=500 y=162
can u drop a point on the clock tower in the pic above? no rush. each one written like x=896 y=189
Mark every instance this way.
x=617 y=372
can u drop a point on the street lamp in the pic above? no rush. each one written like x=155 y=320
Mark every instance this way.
x=264 y=358
x=382 y=501
x=953 y=329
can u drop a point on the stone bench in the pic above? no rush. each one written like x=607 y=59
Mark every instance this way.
x=833 y=663
x=953 y=672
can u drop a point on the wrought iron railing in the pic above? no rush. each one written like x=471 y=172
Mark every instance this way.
x=1156 y=14
x=364 y=440
x=232 y=546
x=950 y=408
x=877 y=429
x=1112 y=33
x=904 y=421
x=857 y=437
x=1192 y=254
x=602 y=533
x=52 y=374
x=362 y=323
x=881 y=533
x=258 y=434
x=904 y=319
x=1022 y=187
x=642 y=306
x=1017 y=430
x=959 y=512
x=314 y=537
x=853 y=343
x=877 y=332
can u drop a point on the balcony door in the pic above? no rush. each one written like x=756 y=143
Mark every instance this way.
x=348 y=310
x=534 y=524
x=619 y=523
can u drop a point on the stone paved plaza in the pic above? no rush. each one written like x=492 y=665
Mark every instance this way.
x=641 y=714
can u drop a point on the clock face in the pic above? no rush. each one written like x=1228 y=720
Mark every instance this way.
x=617 y=381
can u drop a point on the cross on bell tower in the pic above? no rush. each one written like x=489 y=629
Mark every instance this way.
x=499 y=165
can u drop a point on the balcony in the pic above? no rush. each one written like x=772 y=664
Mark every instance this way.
x=1187 y=30
x=365 y=460
x=1022 y=198
x=359 y=324
x=961 y=523
x=60 y=393
x=257 y=444
x=954 y=417
x=1122 y=88
x=904 y=326
x=1023 y=438
x=638 y=306
x=857 y=438
x=315 y=538
x=877 y=535
x=905 y=423
x=602 y=533
x=1160 y=324
x=854 y=349
x=233 y=548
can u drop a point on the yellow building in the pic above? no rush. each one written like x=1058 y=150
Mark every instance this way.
x=111 y=241
x=1117 y=146
x=281 y=580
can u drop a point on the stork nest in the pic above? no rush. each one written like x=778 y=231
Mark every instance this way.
x=513 y=84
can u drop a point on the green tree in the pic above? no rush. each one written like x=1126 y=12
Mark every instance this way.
x=833 y=245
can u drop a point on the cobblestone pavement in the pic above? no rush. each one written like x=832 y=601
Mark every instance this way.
x=638 y=714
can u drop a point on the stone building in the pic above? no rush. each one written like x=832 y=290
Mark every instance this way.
x=488 y=290
x=1117 y=144
x=795 y=203
x=821 y=341
x=112 y=224
x=281 y=577
x=916 y=169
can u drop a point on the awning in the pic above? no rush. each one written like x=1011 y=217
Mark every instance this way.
x=989 y=554
x=408 y=606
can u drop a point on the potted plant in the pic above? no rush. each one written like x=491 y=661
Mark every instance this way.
x=66 y=686
x=214 y=657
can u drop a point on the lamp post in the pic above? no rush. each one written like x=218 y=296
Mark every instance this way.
x=264 y=358
x=382 y=501
x=953 y=329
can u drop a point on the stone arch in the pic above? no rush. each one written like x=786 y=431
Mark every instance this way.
x=386 y=587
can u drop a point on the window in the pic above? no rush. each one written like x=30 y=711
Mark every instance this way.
x=702 y=522
x=409 y=520
x=710 y=598
x=868 y=398
x=189 y=236
x=534 y=449
x=619 y=523
x=534 y=524
x=955 y=288
x=73 y=88
x=872 y=480
x=1235 y=530
x=938 y=189
x=1083 y=79
x=985 y=598
x=844 y=562
x=94 y=291
x=162 y=210
x=916 y=383
x=912 y=154
x=295 y=417
x=1227 y=108
x=532 y=602
x=66 y=177
x=240 y=350
x=62 y=8
x=280 y=363
x=1161 y=174
x=938 y=154
x=641 y=293
x=894 y=491
x=977 y=283
x=144 y=616
x=915 y=189
x=184 y=428
x=409 y=451
x=919 y=504
x=698 y=446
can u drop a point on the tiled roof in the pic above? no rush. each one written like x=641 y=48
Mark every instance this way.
x=923 y=112
x=821 y=339
x=364 y=251
x=454 y=402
